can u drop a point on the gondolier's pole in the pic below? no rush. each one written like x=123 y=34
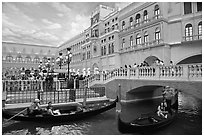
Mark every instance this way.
x=17 y=114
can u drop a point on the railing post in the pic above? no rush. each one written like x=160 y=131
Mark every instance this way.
x=157 y=72
x=185 y=72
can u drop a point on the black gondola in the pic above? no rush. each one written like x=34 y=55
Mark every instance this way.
x=65 y=116
x=148 y=123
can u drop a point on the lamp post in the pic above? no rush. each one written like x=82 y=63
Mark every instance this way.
x=68 y=59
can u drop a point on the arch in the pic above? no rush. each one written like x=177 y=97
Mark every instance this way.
x=145 y=15
x=157 y=33
x=137 y=19
x=200 y=30
x=123 y=24
x=151 y=60
x=131 y=21
x=190 y=60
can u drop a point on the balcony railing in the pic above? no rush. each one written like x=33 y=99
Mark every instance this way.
x=187 y=72
x=192 y=38
x=142 y=45
x=141 y=23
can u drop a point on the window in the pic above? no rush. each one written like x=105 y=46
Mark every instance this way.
x=146 y=38
x=156 y=11
x=131 y=21
x=188 y=32
x=137 y=21
x=113 y=27
x=123 y=25
x=199 y=6
x=200 y=30
x=101 y=50
x=113 y=37
x=138 y=39
x=28 y=59
x=131 y=41
x=145 y=16
x=19 y=58
x=157 y=35
x=123 y=43
x=109 y=48
x=95 y=49
x=112 y=47
x=104 y=50
x=9 y=58
x=88 y=54
x=84 y=56
x=187 y=8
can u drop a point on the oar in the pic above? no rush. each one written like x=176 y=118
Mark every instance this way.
x=16 y=114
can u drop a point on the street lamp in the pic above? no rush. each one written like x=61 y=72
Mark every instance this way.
x=68 y=59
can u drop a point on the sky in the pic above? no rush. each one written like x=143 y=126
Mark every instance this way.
x=47 y=23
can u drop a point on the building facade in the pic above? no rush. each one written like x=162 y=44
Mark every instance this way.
x=167 y=31
x=16 y=56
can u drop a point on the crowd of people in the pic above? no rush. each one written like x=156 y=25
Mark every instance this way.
x=157 y=62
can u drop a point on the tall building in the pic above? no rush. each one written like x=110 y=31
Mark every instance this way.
x=167 y=31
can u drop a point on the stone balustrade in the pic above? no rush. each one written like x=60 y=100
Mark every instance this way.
x=186 y=72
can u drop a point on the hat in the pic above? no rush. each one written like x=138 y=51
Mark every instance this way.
x=37 y=100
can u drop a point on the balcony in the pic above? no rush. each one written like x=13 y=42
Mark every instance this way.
x=142 y=46
x=155 y=18
x=192 y=38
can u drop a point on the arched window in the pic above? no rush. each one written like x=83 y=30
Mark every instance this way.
x=104 y=49
x=28 y=59
x=146 y=38
x=101 y=50
x=112 y=47
x=113 y=27
x=9 y=58
x=157 y=35
x=156 y=11
x=36 y=59
x=123 y=43
x=123 y=25
x=200 y=30
x=131 y=21
x=189 y=32
x=131 y=40
x=19 y=58
x=109 y=49
x=137 y=19
x=145 y=16
x=44 y=59
x=138 y=39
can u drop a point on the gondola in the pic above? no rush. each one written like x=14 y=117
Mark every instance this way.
x=66 y=115
x=149 y=122
x=145 y=124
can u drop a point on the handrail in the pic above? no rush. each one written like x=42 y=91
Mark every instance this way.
x=185 y=72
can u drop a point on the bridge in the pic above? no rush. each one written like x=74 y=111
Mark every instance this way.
x=135 y=81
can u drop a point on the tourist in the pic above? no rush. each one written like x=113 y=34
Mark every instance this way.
x=35 y=108
x=51 y=111
x=161 y=110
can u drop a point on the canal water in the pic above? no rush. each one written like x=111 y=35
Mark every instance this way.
x=188 y=122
